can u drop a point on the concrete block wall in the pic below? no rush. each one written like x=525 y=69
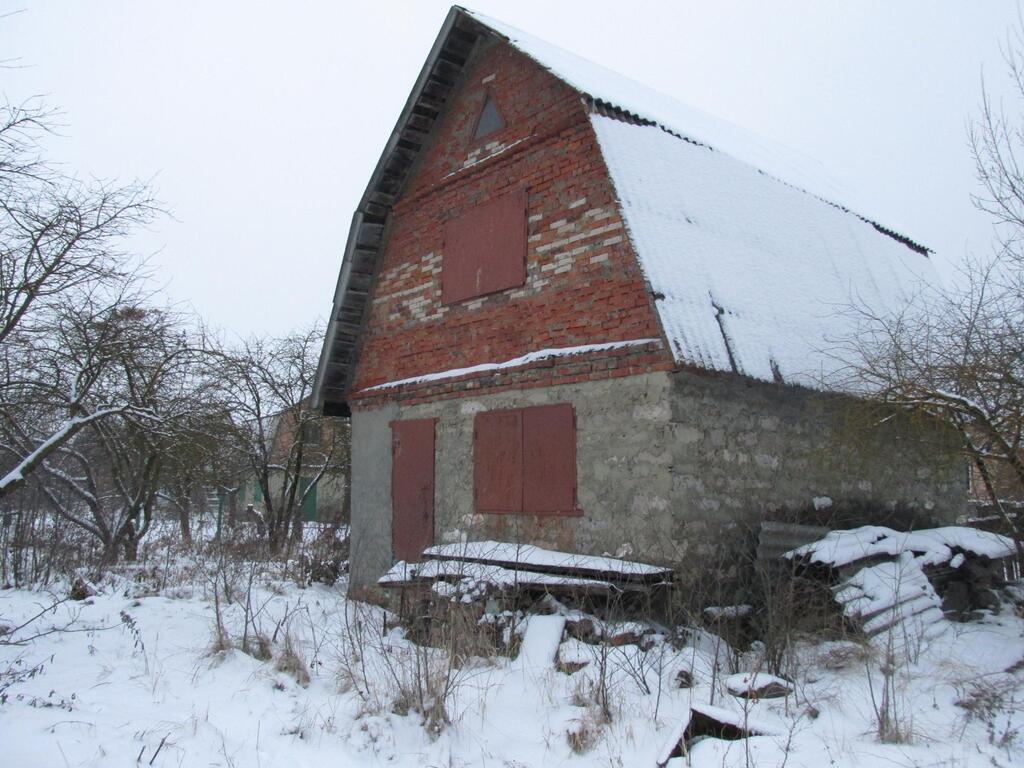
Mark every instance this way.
x=621 y=478
x=740 y=449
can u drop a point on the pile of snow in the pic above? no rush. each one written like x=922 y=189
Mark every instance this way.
x=932 y=546
x=891 y=594
x=149 y=690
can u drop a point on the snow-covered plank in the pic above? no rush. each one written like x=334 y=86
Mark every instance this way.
x=893 y=596
x=757 y=685
x=933 y=546
x=516 y=556
x=472 y=573
x=672 y=744
x=703 y=715
x=540 y=642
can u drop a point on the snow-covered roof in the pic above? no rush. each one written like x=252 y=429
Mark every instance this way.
x=749 y=274
x=750 y=250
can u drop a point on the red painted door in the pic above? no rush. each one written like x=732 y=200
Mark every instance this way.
x=412 y=488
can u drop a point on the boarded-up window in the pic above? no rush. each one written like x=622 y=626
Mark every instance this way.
x=524 y=460
x=485 y=249
x=312 y=433
x=549 y=459
x=412 y=488
x=498 y=461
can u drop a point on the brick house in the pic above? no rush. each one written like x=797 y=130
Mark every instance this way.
x=575 y=313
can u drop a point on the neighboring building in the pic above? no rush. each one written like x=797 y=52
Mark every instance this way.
x=1004 y=483
x=575 y=313
x=322 y=491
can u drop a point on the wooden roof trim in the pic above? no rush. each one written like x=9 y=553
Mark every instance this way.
x=439 y=74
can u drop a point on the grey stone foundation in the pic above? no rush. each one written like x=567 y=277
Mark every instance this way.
x=665 y=463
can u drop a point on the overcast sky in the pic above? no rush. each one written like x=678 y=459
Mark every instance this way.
x=260 y=123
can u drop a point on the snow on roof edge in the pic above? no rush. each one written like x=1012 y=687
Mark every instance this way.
x=781 y=163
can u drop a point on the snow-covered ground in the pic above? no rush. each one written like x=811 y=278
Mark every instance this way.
x=135 y=680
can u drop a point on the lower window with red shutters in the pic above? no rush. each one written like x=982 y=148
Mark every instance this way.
x=524 y=461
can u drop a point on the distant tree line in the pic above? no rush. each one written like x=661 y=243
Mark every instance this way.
x=115 y=408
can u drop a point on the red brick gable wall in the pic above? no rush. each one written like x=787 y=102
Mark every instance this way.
x=583 y=283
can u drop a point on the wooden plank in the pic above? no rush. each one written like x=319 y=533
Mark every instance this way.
x=408 y=575
x=775 y=539
x=517 y=557
x=794 y=529
x=485 y=249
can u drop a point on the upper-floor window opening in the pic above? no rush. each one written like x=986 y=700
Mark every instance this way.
x=489 y=120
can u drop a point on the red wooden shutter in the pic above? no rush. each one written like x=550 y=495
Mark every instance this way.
x=549 y=460
x=412 y=488
x=498 y=461
x=485 y=249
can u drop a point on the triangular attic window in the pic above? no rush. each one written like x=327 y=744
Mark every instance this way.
x=490 y=119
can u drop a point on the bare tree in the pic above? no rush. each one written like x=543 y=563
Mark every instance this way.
x=57 y=233
x=200 y=461
x=59 y=250
x=54 y=382
x=106 y=477
x=957 y=353
x=288 y=446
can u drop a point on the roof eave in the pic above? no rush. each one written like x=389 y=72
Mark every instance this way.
x=410 y=134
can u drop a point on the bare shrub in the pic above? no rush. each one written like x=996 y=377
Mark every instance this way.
x=231 y=583
x=893 y=719
x=993 y=702
x=290 y=662
x=391 y=673
x=585 y=732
